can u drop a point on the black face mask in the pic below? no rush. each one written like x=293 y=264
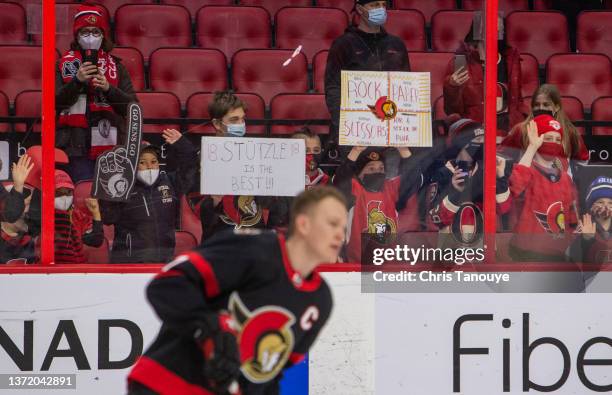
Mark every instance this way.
x=374 y=181
x=474 y=150
x=543 y=112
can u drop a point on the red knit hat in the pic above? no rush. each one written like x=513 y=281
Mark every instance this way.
x=90 y=15
x=63 y=180
x=547 y=123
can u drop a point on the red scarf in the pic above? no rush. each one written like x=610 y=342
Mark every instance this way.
x=76 y=115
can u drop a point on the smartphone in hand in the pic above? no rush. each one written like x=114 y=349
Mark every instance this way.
x=90 y=55
x=460 y=61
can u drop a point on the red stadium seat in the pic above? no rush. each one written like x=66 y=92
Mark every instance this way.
x=319 y=63
x=530 y=79
x=586 y=76
x=505 y=6
x=113 y=5
x=159 y=105
x=274 y=5
x=601 y=110
x=345 y=5
x=435 y=63
x=147 y=27
x=230 y=29
x=12 y=24
x=190 y=222
x=427 y=7
x=4 y=112
x=185 y=71
x=194 y=5
x=449 y=28
x=63 y=36
x=299 y=106
x=594 y=32
x=538 y=33
x=28 y=104
x=409 y=25
x=542 y=5
x=82 y=191
x=132 y=59
x=20 y=69
x=197 y=107
x=97 y=254
x=269 y=72
x=185 y=242
x=295 y=27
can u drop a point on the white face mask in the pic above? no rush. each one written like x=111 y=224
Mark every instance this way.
x=90 y=42
x=148 y=176
x=63 y=203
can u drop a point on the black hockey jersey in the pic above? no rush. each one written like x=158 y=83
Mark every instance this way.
x=246 y=273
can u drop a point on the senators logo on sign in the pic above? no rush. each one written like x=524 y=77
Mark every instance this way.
x=553 y=221
x=384 y=109
x=265 y=339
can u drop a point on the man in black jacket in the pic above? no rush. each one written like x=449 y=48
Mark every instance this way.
x=366 y=46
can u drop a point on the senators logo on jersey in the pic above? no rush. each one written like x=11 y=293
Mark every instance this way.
x=265 y=338
x=553 y=221
x=379 y=225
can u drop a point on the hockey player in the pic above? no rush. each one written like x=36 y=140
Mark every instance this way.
x=244 y=306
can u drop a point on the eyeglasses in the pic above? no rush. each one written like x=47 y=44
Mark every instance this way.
x=86 y=33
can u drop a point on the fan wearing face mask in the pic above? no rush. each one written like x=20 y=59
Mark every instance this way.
x=74 y=226
x=217 y=212
x=146 y=222
x=548 y=215
x=366 y=46
x=93 y=89
x=372 y=197
x=458 y=212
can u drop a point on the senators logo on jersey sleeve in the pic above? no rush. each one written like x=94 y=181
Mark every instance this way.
x=553 y=221
x=265 y=338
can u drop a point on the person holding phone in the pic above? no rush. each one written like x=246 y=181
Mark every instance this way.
x=93 y=90
x=464 y=81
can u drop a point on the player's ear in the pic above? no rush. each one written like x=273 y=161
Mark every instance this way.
x=302 y=224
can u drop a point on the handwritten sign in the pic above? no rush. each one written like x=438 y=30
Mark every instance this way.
x=389 y=109
x=252 y=166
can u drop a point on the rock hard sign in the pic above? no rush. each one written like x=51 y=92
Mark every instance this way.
x=379 y=108
x=252 y=166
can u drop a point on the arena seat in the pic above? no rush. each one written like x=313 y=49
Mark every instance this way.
x=594 y=32
x=264 y=72
x=20 y=69
x=542 y=5
x=505 y=6
x=113 y=5
x=449 y=28
x=530 y=78
x=295 y=27
x=148 y=27
x=274 y=5
x=319 y=63
x=199 y=70
x=299 y=106
x=194 y=5
x=159 y=105
x=12 y=24
x=573 y=108
x=345 y=5
x=190 y=222
x=63 y=36
x=427 y=7
x=197 y=107
x=409 y=25
x=28 y=104
x=435 y=63
x=230 y=29
x=97 y=254
x=4 y=112
x=132 y=59
x=585 y=76
x=539 y=33
x=185 y=242
x=601 y=110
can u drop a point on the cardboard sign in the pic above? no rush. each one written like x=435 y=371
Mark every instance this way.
x=391 y=109
x=115 y=171
x=5 y=160
x=252 y=166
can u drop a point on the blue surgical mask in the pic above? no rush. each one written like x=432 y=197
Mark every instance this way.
x=236 y=129
x=377 y=16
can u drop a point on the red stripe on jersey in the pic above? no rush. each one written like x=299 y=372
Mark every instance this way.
x=169 y=273
x=156 y=377
x=296 y=358
x=211 y=285
x=302 y=284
